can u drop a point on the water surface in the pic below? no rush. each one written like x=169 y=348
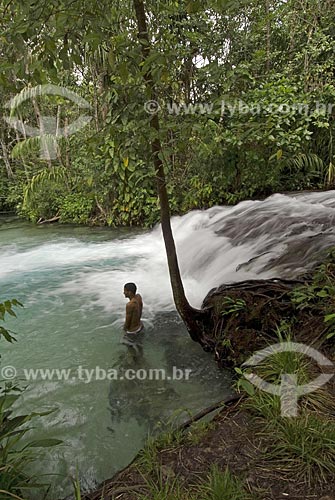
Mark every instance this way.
x=70 y=280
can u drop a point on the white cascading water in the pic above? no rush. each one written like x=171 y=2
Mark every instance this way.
x=281 y=236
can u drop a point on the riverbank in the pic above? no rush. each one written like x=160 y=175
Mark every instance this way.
x=249 y=450
x=89 y=213
x=258 y=456
x=236 y=442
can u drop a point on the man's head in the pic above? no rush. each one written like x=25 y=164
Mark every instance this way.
x=129 y=290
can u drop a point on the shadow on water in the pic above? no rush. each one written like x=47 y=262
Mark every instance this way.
x=179 y=364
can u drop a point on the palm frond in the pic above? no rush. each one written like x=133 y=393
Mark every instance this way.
x=42 y=179
x=309 y=162
x=46 y=143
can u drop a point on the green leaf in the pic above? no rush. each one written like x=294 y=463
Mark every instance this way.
x=193 y=7
x=45 y=443
x=11 y=312
x=6 y=334
x=8 y=400
x=329 y=317
x=123 y=71
x=9 y=426
x=248 y=387
x=16 y=303
x=22 y=28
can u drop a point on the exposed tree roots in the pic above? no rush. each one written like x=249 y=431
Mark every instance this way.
x=246 y=316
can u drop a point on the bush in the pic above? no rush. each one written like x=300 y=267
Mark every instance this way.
x=77 y=208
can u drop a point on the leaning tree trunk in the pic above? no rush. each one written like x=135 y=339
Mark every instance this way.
x=194 y=319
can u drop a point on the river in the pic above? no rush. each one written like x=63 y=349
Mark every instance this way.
x=70 y=280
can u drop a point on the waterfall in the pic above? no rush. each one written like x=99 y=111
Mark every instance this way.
x=282 y=236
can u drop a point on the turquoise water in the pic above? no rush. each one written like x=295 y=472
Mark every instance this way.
x=70 y=281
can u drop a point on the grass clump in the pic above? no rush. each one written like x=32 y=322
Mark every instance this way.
x=197 y=432
x=273 y=367
x=163 y=488
x=304 y=446
x=223 y=485
x=167 y=435
x=148 y=457
x=219 y=485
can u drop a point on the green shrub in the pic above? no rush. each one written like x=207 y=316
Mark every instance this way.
x=77 y=208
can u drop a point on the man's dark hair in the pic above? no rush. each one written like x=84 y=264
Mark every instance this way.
x=131 y=287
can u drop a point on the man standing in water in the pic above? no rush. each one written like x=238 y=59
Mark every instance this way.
x=133 y=324
x=134 y=308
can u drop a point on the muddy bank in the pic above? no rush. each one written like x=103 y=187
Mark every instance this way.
x=247 y=316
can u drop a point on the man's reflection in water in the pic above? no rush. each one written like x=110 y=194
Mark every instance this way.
x=141 y=399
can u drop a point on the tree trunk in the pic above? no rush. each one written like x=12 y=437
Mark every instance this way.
x=18 y=139
x=6 y=159
x=44 y=144
x=268 y=36
x=194 y=319
x=66 y=136
x=58 y=121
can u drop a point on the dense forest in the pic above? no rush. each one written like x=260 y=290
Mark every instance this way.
x=245 y=102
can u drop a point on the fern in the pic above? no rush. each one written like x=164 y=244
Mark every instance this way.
x=41 y=180
x=47 y=143
x=309 y=162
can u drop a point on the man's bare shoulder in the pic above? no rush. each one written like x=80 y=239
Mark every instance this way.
x=131 y=305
